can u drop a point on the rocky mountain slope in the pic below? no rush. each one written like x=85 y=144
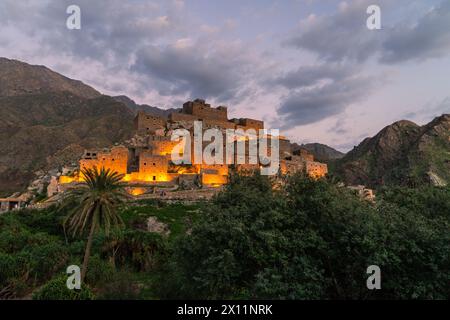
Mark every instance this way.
x=403 y=153
x=47 y=120
x=19 y=78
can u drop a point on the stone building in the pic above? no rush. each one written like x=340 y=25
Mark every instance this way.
x=363 y=192
x=115 y=159
x=14 y=202
x=146 y=158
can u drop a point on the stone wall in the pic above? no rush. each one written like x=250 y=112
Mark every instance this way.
x=316 y=169
x=116 y=159
x=148 y=123
x=246 y=123
x=153 y=167
x=203 y=110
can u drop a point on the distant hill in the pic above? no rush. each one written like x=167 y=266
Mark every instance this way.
x=403 y=153
x=134 y=107
x=47 y=120
x=321 y=152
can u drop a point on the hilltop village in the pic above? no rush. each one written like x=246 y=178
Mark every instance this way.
x=147 y=167
x=145 y=160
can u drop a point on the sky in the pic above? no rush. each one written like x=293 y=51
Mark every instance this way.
x=307 y=67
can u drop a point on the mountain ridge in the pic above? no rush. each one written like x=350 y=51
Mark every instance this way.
x=320 y=151
x=47 y=120
x=20 y=78
x=402 y=153
x=134 y=107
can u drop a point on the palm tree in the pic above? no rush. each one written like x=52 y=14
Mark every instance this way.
x=93 y=206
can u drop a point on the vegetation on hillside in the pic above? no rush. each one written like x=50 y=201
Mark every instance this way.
x=308 y=240
x=314 y=240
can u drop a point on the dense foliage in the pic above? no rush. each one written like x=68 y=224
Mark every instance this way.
x=308 y=239
x=56 y=289
x=314 y=239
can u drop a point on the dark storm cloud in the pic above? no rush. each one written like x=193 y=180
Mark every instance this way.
x=428 y=38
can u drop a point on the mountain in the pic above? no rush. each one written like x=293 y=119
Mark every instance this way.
x=321 y=152
x=47 y=120
x=19 y=78
x=134 y=107
x=403 y=153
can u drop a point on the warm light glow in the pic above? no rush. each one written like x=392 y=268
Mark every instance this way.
x=127 y=177
x=136 y=191
x=214 y=179
x=67 y=179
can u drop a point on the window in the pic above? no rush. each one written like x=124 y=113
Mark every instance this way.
x=154 y=178
x=145 y=163
x=154 y=164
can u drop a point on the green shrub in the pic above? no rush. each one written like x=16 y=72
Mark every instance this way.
x=311 y=239
x=9 y=267
x=120 y=287
x=45 y=260
x=99 y=271
x=56 y=289
x=136 y=248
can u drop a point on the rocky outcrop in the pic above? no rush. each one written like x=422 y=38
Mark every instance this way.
x=402 y=154
x=154 y=225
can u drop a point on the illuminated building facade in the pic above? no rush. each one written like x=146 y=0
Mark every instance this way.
x=146 y=158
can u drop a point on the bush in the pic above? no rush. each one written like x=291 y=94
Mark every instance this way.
x=309 y=240
x=9 y=267
x=120 y=287
x=136 y=248
x=56 y=289
x=99 y=271
x=45 y=260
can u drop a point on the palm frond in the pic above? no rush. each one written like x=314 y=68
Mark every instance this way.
x=98 y=197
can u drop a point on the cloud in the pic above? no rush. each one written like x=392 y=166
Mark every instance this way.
x=343 y=35
x=313 y=100
x=428 y=38
x=155 y=44
x=430 y=111
x=306 y=76
x=340 y=36
x=316 y=92
x=209 y=69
